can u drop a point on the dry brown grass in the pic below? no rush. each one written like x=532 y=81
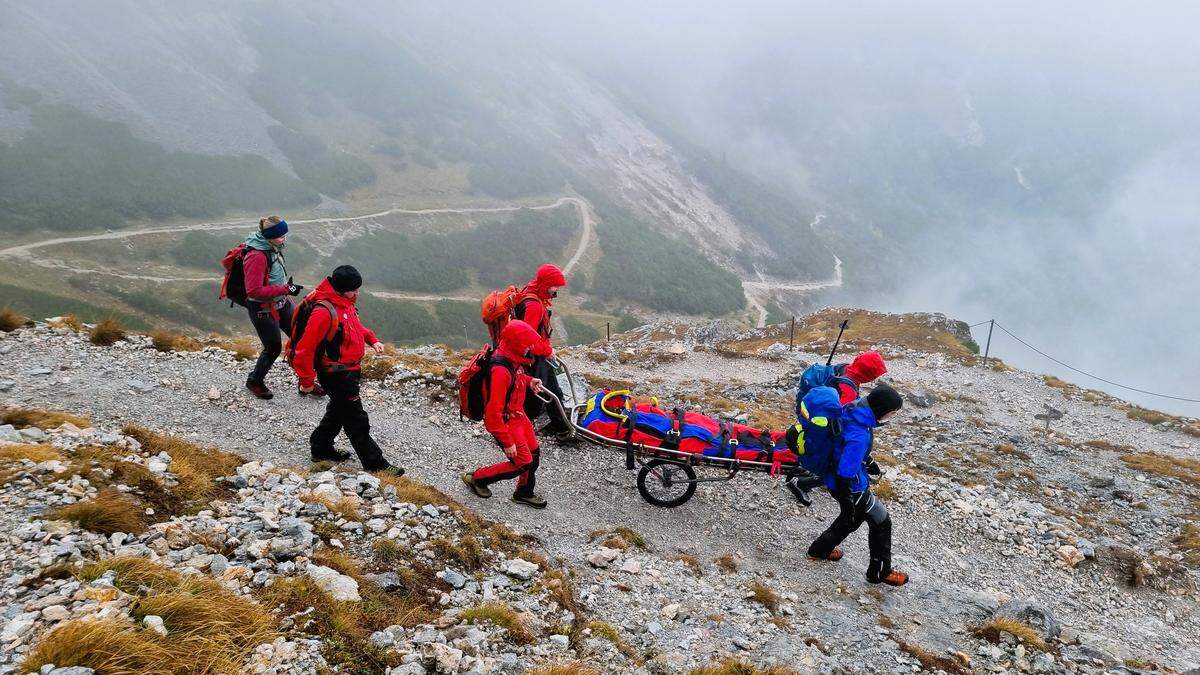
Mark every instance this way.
x=67 y=321
x=467 y=553
x=345 y=507
x=691 y=561
x=610 y=633
x=1101 y=444
x=620 y=538
x=884 y=489
x=1011 y=451
x=387 y=550
x=739 y=667
x=107 y=646
x=992 y=632
x=11 y=320
x=727 y=563
x=243 y=348
x=765 y=596
x=1148 y=416
x=1186 y=470
x=1192 y=429
x=31 y=451
x=1188 y=543
x=413 y=492
x=109 y=512
x=567 y=668
x=501 y=615
x=210 y=629
x=168 y=341
x=42 y=419
x=817 y=331
x=1052 y=381
x=195 y=467
x=107 y=333
x=933 y=661
x=607 y=383
x=376 y=367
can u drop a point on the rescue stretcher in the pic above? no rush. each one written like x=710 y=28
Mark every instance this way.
x=667 y=475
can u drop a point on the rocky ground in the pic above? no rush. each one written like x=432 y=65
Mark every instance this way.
x=1083 y=535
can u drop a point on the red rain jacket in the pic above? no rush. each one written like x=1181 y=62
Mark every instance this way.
x=254 y=267
x=536 y=308
x=517 y=339
x=355 y=336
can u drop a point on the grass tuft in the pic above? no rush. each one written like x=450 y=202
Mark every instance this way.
x=32 y=452
x=42 y=419
x=168 y=341
x=739 y=667
x=467 y=554
x=106 y=646
x=610 y=633
x=884 y=489
x=728 y=563
x=1188 y=543
x=992 y=632
x=568 y=668
x=388 y=550
x=933 y=661
x=107 y=333
x=1148 y=416
x=195 y=467
x=765 y=597
x=691 y=561
x=109 y=512
x=501 y=615
x=1183 y=469
x=10 y=320
x=375 y=367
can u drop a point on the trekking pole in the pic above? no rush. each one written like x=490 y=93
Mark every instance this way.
x=608 y=331
x=845 y=323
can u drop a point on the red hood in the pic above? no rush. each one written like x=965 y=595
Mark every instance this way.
x=866 y=367
x=548 y=276
x=324 y=291
x=517 y=338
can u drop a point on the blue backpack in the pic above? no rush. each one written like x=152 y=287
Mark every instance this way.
x=820 y=416
x=821 y=375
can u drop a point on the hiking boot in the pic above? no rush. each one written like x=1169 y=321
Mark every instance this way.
x=259 y=389
x=329 y=456
x=798 y=492
x=893 y=578
x=390 y=470
x=834 y=555
x=317 y=391
x=481 y=491
x=530 y=500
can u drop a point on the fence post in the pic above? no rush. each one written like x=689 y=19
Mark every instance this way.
x=988 y=347
x=608 y=331
x=792 y=334
x=465 y=332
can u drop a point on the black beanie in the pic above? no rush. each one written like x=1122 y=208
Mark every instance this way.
x=883 y=399
x=345 y=279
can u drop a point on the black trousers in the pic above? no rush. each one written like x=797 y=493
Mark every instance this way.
x=855 y=509
x=544 y=371
x=269 y=328
x=344 y=412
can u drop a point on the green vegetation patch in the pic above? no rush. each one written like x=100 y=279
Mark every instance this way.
x=452 y=322
x=495 y=253
x=73 y=171
x=40 y=305
x=659 y=271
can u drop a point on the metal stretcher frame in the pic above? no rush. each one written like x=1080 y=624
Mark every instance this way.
x=657 y=479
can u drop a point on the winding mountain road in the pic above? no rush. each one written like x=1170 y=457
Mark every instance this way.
x=757 y=292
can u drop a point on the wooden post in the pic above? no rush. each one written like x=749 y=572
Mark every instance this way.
x=988 y=348
x=608 y=331
x=792 y=334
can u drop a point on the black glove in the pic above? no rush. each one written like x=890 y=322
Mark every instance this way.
x=873 y=468
x=293 y=289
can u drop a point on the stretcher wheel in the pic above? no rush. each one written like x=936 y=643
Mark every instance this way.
x=666 y=484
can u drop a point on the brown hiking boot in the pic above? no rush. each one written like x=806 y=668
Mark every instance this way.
x=480 y=491
x=893 y=578
x=530 y=500
x=260 y=390
x=834 y=555
x=317 y=391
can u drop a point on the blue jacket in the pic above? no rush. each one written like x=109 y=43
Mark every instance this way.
x=858 y=422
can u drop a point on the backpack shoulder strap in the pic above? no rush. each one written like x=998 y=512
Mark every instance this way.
x=512 y=381
x=335 y=321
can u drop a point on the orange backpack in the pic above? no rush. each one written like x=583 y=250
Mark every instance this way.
x=499 y=307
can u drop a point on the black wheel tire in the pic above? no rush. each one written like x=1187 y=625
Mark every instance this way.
x=657 y=484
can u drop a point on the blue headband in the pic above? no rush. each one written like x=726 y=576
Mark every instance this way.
x=275 y=231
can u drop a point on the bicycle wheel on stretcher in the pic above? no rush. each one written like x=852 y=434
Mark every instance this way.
x=665 y=483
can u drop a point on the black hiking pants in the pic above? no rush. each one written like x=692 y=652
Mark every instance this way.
x=344 y=412
x=855 y=509
x=269 y=327
x=544 y=371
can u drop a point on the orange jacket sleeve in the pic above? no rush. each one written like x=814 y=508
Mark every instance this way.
x=493 y=411
x=304 y=360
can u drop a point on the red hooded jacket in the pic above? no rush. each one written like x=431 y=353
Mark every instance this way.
x=355 y=336
x=536 y=313
x=254 y=266
x=516 y=340
x=866 y=367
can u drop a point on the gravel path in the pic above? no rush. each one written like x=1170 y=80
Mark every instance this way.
x=968 y=540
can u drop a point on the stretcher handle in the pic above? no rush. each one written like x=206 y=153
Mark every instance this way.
x=604 y=403
x=557 y=403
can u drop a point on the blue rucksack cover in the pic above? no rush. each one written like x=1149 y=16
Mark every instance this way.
x=821 y=375
x=820 y=414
